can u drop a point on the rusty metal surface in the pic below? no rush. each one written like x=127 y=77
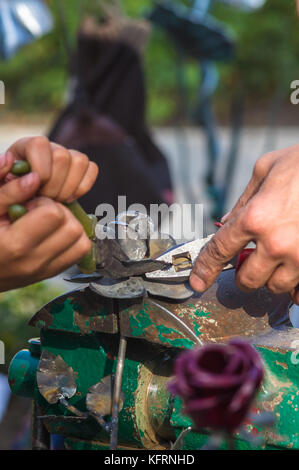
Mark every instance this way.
x=217 y=315
x=40 y=436
x=69 y=425
x=90 y=312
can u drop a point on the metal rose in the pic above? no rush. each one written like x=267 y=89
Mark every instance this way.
x=218 y=383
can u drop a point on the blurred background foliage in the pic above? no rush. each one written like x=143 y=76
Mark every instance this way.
x=16 y=308
x=265 y=64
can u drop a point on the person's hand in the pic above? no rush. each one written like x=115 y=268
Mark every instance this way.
x=65 y=175
x=43 y=243
x=48 y=239
x=268 y=214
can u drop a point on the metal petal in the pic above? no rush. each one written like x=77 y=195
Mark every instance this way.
x=176 y=291
x=83 y=278
x=141 y=223
x=99 y=397
x=55 y=379
x=129 y=241
x=124 y=289
x=159 y=244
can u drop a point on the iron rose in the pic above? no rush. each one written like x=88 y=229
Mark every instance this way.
x=218 y=383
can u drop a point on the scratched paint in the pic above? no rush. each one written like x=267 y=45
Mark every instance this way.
x=142 y=321
x=202 y=314
x=93 y=356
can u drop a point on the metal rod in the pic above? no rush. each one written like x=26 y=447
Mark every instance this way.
x=117 y=391
x=71 y=408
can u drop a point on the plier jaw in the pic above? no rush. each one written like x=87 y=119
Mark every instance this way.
x=181 y=260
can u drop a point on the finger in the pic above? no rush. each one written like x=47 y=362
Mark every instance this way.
x=62 y=239
x=70 y=257
x=37 y=151
x=284 y=279
x=6 y=162
x=79 y=164
x=88 y=180
x=4 y=221
x=226 y=243
x=43 y=219
x=61 y=163
x=256 y=270
x=18 y=191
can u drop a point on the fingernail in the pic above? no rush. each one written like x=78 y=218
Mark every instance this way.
x=3 y=161
x=225 y=217
x=197 y=284
x=28 y=180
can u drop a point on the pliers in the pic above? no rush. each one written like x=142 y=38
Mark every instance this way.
x=181 y=259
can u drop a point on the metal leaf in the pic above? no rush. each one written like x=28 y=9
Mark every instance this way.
x=83 y=278
x=128 y=289
x=159 y=244
x=55 y=379
x=99 y=397
x=176 y=291
x=129 y=241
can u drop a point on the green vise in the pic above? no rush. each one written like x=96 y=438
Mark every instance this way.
x=77 y=381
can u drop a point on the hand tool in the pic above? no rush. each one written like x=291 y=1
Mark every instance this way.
x=182 y=258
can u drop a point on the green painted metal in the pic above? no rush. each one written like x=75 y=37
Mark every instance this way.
x=22 y=373
x=84 y=331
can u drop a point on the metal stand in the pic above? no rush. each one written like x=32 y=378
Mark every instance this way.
x=117 y=391
x=40 y=437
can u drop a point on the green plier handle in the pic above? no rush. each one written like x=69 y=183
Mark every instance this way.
x=88 y=264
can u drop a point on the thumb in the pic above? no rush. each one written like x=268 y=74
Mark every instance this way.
x=18 y=191
x=226 y=243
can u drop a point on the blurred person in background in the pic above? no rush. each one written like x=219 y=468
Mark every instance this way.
x=267 y=213
x=105 y=117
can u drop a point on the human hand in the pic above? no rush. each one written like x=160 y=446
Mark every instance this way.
x=65 y=175
x=268 y=214
x=43 y=243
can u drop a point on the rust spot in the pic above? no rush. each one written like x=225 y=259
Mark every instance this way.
x=282 y=364
x=41 y=316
